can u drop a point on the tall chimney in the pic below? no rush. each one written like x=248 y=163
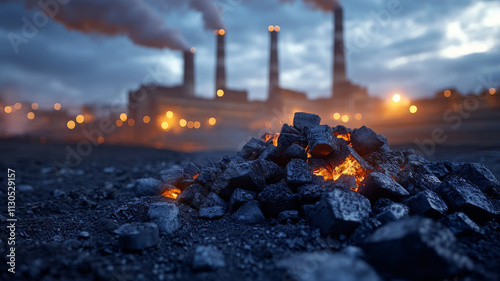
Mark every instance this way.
x=273 y=63
x=189 y=72
x=220 y=71
x=339 y=73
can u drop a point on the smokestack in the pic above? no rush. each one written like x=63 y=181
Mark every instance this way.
x=220 y=71
x=339 y=73
x=189 y=72
x=273 y=62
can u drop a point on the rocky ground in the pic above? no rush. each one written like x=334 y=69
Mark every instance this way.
x=68 y=217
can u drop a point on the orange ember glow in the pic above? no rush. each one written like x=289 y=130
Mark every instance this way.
x=349 y=167
x=172 y=193
x=346 y=137
x=273 y=137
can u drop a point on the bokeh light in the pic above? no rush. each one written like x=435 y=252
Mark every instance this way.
x=220 y=93
x=336 y=116
x=196 y=125
x=164 y=125
x=212 y=121
x=31 y=115
x=34 y=106
x=119 y=123
x=492 y=91
x=447 y=93
x=8 y=109
x=183 y=122
x=123 y=117
x=396 y=98
x=79 y=118
x=57 y=106
x=146 y=119
x=358 y=116
x=345 y=118
x=18 y=105
x=71 y=124
x=131 y=122
x=413 y=109
x=169 y=114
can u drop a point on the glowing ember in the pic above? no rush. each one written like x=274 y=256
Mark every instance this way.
x=274 y=137
x=171 y=193
x=349 y=167
x=346 y=137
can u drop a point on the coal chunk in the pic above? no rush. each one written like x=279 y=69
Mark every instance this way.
x=273 y=173
x=364 y=140
x=208 y=175
x=211 y=213
x=462 y=196
x=479 y=175
x=438 y=169
x=207 y=258
x=393 y=212
x=193 y=196
x=298 y=173
x=460 y=224
x=191 y=170
x=275 y=154
x=212 y=200
x=165 y=215
x=250 y=213
x=321 y=141
x=148 y=187
x=340 y=212
x=240 y=197
x=246 y=175
x=389 y=162
x=287 y=129
x=252 y=149
x=175 y=176
x=138 y=236
x=415 y=248
x=296 y=151
x=288 y=217
x=286 y=140
x=378 y=185
x=364 y=230
x=427 y=203
x=306 y=211
x=277 y=198
x=302 y=120
x=414 y=182
x=311 y=193
x=326 y=267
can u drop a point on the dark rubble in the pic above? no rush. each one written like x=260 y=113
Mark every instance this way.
x=264 y=212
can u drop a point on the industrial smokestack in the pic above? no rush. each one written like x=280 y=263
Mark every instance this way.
x=339 y=72
x=189 y=72
x=273 y=63
x=220 y=70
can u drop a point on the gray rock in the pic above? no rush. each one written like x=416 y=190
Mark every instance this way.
x=427 y=203
x=298 y=173
x=323 y=266
x=378 y=185
x=277 y=198
x=138 y=236
x=340 y=212
x=207 y=258
x=416 y=248
x=462 y=196
x=211 y=213
x=165 y=215
x=148 y=187
x=303 y=120
x=460 y=224
x=240 y=197
x=250 y=213
x=365 y=140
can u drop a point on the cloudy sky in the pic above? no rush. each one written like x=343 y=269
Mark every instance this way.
x=416 y=49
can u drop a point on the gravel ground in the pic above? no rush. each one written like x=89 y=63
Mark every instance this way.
x=53 y=216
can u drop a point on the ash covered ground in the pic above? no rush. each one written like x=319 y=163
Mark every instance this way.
x=66 y=221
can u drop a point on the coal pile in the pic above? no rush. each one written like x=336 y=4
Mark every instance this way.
x=397 y=214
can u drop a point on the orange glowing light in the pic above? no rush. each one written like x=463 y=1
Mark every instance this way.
x=192 y=50
x=273 y=137
x=169 y=114
x=222 y=32
x=146 y=119
x=71 y=124
x=270 y=28
x=57 y=106
x=336 y=116
x=492 y=91
x=196 y=125
x=8 y=109
x=447 y=93
x=131 y=122
x=358 y=116
x=345 y=118
x=349 y=167
x=346 y=137
x=190 y=124
x=276 y=28
x=123 y=117
x=100 y=140
x=183 y=122
x=34 y=106
x=212 y=121
x=80 y=118
x=164 y=125
x=31 y=115
x=396 y=98
x=220 y=93
x=171 y=193
x=18 y=105
x=119 y=123
x=413 y=109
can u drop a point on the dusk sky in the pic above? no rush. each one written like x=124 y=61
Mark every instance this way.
x=423 y=47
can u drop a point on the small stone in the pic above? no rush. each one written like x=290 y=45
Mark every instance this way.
x=239 y=198
x=247 y=175
x=212 y=200
x=207 y=258
x=427 y=203
x=59 y=193
x=193 y=196
x=148 y=187
x=176 y=177
x=250 y=213
x=165 y=215
x=83 y=235
x=138 y=236
x=211 y=213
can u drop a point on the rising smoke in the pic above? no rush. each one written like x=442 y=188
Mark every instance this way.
x=134 y=18
x=325 y=5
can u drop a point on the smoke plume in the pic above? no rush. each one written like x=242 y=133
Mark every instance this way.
x=133 y=18
x=211 y=14
x=325 y=5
